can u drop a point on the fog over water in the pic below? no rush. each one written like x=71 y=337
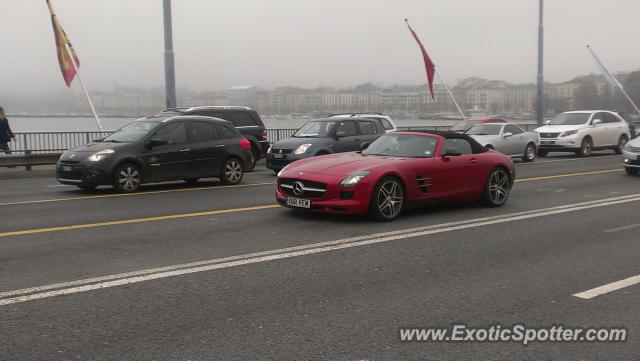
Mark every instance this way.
x=311 y=43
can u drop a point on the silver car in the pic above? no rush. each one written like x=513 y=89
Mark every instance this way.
x=506 y=138
x=631 y=154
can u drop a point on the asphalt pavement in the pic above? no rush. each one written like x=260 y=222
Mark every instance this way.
x=213 y=272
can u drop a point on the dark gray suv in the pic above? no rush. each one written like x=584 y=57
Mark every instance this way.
x=324 y=136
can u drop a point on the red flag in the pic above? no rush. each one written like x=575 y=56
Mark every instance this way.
x=428 y=64
x=65 y=50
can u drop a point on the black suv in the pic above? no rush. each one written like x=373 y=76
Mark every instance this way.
x=246 y=120
x=324 y=136
x=156 y=149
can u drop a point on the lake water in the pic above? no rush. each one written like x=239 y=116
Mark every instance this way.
x=22 y=124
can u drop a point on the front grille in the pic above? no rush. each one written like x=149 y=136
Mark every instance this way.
x=281 y=151
x=278 y=163
x=75 y=173
x=69 y=162
x=308 y=189
x=549 y=135
x=635 y=149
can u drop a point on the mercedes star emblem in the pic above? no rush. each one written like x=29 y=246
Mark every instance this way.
x=298 y=188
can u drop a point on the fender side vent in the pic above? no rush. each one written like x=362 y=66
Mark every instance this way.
x=423 y=183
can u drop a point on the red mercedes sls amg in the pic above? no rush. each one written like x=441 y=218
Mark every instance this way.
x=398 y=170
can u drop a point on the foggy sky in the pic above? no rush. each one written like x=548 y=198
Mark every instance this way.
x=311 y=43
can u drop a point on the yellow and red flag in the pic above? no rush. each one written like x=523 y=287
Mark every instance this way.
x=64 y=48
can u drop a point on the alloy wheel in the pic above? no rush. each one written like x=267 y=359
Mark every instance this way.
x=233 y=171
x=586 y=147
x=390 y=199
x=531 y=152
x=499 y=186
x=128 y=179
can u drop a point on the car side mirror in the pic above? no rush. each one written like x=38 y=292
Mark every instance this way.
x=507 y=135
x=596 y=121
x=547 y=122
x=452 y=152
x=341 y=134
x=155 y=143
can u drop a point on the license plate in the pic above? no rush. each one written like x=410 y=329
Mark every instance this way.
x=278 y=156
x=66 y=168
x=548 y=142
x=297 y=202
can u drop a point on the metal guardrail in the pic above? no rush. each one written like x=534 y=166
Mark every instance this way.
x=48 y=142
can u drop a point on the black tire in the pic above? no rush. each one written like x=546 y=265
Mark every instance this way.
x=387 y=200
x=529 y=153
x=585 y=147
x=542 y=153
x=252 y=162
x=497 y=188
x=622 y=141
x=632 y=171
x=192 y=180
x=127 y=178
x=87 y=188
x=232 y=171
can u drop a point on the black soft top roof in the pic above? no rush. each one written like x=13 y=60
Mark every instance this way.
x=475 y=146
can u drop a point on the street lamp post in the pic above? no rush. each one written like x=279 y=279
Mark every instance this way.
x=169 y=69
x=540 y=92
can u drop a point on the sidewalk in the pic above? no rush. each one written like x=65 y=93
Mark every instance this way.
x=37 y=171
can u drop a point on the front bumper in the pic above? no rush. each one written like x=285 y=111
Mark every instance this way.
x=276 y=162
x=81 y=175
x=570 y=143
x=335 y=199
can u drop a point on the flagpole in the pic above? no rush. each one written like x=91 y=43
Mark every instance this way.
x=451 y=95
x=612 y=78
x=84 y=89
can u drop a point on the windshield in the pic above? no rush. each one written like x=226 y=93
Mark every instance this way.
x=463 y=125
x=314 y=129
x=485 y=129
x=403 y=145
x=570 y=119
x=131 y=132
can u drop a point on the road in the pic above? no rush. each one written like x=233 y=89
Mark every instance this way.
x=209 y=272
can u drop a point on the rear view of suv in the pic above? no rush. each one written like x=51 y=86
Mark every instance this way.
x=245 y=120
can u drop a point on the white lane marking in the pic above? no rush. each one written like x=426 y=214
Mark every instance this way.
x=59 y=185
x=568 y=160
x=623 y=228
x=47 y=291
x=614 y=286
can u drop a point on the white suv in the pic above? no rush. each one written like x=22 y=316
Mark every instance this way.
x=386 y=121
x=583 y=131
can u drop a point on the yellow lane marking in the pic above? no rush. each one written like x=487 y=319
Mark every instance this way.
x=134 y=194
x=569 y=160
x=137 y=220
x=617 y=170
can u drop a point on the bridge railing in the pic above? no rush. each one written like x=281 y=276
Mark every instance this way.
x=53 y=142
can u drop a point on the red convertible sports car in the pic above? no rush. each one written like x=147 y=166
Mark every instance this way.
x=398 y=170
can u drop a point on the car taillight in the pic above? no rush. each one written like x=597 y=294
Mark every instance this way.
x=264 y=134
x=244 y=143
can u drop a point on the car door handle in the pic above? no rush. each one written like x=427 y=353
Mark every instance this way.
x=186 y=150
x=473 y=161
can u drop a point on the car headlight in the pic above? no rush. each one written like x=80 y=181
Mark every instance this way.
x=569 y=132
x=354 y=178
x=98 y=156
x=269 y=150
x=301 y=149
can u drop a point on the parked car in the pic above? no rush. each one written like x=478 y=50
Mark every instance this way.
x=324 y=136
x=583 y=131
x=155 y=149
x=387 y=123
x=463 y=126
x=631 y=154
x=507 y=139
x=399 y=170
x=246 y=120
